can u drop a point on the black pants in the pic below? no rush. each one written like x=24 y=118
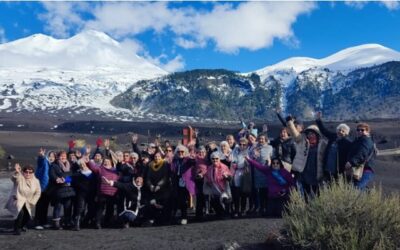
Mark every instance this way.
x=105 y=202
x=42 y=208
x=22 y=218
x=200 y=199
x=82 y=201
x=182 y=201
x=276 y=206
x=239 y=199
x=65 y=203
x=310 y=191
x=262 y=194
x=220 y=210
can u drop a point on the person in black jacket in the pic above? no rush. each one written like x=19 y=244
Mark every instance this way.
x=62 y=192
x=362 y=153
x=133 y=199
x=284 y=148
x=337 y=150
x=84 y=183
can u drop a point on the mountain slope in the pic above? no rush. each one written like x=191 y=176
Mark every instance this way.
x=82 y=73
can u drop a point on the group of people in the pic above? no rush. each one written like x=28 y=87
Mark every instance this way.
x=245 y=175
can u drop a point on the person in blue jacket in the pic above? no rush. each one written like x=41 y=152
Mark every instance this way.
x=42 y=174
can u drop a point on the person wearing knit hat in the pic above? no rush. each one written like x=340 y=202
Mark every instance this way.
x=308 y=162
x=337 y=149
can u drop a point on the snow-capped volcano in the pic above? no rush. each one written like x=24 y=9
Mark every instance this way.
x=82 y=72
x=348 y=59
x=88 y=50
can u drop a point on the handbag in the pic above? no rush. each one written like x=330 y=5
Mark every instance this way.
x=245 y=186
x=358 y=172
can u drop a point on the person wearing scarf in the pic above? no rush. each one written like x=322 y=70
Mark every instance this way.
x=63 y=192
x=216 y=184
x=133 y=199
x=23 y=197
x=157 y=183
x=308 y=162
x=279 y=182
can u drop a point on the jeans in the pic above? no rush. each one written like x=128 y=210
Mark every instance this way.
x=365 y=180
x=60 y=203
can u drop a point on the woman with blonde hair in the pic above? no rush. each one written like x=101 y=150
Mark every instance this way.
x=24 y=196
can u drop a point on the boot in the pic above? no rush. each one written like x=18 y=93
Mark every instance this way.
x=56 y=224
x=77 y=222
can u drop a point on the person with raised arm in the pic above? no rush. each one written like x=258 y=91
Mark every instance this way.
x=42 y=174
x=24 y=196
x=337 y=149
x=308 y=162
x=279 y=181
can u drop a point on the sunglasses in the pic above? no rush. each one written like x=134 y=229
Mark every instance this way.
x=215 y=159
x=275 y=163
x=181 y=152
x=360 y=130
x=28 y=172
x=126 y=155
x=242 y=144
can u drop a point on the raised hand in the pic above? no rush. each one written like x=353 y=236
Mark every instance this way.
x=60 y=180
x=17 y=168
x=134 y=138
x=107 y=143
x=318 y=115
x=42 y=152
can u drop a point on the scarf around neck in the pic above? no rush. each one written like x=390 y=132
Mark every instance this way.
x=65 y=167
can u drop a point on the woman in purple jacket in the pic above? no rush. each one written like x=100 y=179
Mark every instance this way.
x=279 y=182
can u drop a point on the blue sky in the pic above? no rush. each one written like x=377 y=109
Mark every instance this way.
x=240 y=36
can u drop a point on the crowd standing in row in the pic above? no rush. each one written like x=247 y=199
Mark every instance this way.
x=245 y=175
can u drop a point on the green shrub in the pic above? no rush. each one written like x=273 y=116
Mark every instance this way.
x=342 y=217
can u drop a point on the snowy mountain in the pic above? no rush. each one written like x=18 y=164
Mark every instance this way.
x=351 y=79
x=92 y=76
x=81 y=73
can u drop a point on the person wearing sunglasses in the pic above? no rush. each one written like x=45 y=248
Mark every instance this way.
x=362 y=153
x=183 y=185
x=24 y=196
x=279 y=182
x=216 y=184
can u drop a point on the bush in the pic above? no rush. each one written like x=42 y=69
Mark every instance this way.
x=342 y=217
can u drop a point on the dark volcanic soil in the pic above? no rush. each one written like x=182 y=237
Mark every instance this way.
x=23 y=142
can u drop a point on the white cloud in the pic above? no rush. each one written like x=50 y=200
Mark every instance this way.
x=176 y=64
x=391 y=5
x=3 y=38
x=62 y=18
x=250 y=25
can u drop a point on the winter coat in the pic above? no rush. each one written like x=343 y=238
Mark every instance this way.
x=24 y=192
x=133 y=194
x=60 y=190
x=110 y=174
x=360 y=150
x=186 y=173
x=260 y=181
x=343 y=144
x=42 y=172
x=302 y=149
x=215 y=183
x=161 y=178
x=275 y=190
x=284 y=150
